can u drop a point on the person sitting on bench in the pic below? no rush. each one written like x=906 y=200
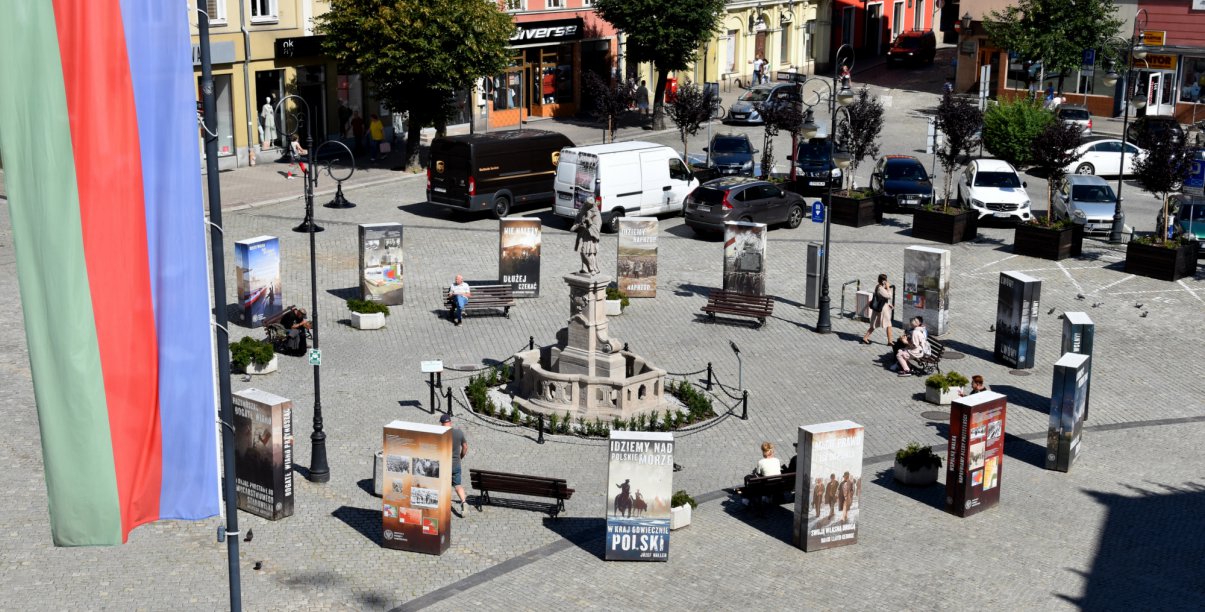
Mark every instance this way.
x=295 y=324
x=460 y=292
x=768 y=465
x=917 y=345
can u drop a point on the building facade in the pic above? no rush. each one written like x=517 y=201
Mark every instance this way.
x=785 y=33
x=870 y=27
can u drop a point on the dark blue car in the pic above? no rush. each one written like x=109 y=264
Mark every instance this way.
x=902 y=182
x=731 y=154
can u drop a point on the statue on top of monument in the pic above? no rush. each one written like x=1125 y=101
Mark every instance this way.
x=588 y=225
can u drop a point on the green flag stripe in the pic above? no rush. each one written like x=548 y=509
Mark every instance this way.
x=40 y=175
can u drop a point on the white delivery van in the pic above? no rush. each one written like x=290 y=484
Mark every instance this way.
x=630 y=179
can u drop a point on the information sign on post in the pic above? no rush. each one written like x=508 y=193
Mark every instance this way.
x=817 y=212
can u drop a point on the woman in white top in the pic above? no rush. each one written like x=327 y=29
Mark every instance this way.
x=768 y=465
x=918 y=345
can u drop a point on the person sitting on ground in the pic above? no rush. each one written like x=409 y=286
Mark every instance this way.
x=295 y=324
x=917 y=345
x=460 y=292
x=977 y=386
x=768 y=465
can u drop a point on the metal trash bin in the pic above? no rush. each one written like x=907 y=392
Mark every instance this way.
x=811 y=286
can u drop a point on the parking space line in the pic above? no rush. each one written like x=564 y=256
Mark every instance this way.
x=1117 y=282
x=1190 y=291
x=1078 y=288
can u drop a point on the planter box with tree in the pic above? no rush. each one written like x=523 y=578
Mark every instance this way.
x=960 y=122
x=941 y=389
x=366 y=314
x=1056 y=148
x=1164 y=168
x=916 y=465
x=855 y=208
x=251 y=356
x=616 y=302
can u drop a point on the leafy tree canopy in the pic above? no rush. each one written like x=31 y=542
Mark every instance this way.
x=960 y=121
x=1054 y=31
x=1055 y=148
x=1010 y=128
x=860 y=131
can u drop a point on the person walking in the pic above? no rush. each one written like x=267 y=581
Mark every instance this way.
x=642 y=99
x=460 y=449
x=376 y=135
x=298 y=154
x=759 y=67
x=880 y=310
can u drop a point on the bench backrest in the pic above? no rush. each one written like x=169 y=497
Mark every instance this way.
x=936 y=348
x=274 y=319
x=718 y=295
x=519 y=483
x=782 y=481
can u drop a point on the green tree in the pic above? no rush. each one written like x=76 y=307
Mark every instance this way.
x=690 y=110
x=415 y=53
x=860 y=131
x=1053 y=31
x=1162 y=171
x=1054 y=149
x=609 y=102
x=777 y=117
x=665 y=32
x=1010 y=127
x=959 y=121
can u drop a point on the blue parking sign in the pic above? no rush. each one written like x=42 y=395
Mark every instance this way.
x=1195 y=182
x=817 y=212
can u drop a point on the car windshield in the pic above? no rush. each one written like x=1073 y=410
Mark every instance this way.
x=906 y=172
x=755 y=95
x=908 y=43
x=997 y=179
x=813 y=150
x=1092 y=193
x=1074 y=114
x=730 y=145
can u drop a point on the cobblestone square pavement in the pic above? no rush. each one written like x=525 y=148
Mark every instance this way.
x=1122 y=530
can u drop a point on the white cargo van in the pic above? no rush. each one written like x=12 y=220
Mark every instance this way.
x=632 y=179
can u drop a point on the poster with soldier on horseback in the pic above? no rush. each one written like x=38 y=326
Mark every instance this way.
x=640 y=479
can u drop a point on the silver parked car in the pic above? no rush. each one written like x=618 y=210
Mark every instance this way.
x=1075 y=114
x=1088 y=200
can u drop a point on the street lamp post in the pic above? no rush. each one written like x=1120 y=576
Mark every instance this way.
x=1134 y=51
x=840 y=96
x=319 y=469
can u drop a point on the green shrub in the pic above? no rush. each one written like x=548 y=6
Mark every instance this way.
x=946 y=381
x=249 y=350
x=514 y=413
x=616 y=424
x=681 y=498
x=613 y=293
x=697 y=403
x=367 y=306
x=914 y=457
x=553 y=421
x=1010 y=127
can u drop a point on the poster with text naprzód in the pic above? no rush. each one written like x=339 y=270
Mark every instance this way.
x=636 y=263
x=640 y=485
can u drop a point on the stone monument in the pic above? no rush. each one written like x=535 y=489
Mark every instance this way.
x=586 y=374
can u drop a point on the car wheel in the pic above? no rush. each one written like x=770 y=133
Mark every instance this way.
x=613 y=222
x=501 y=207
x=746 y=219
x=795 y=216
x=1085 y=169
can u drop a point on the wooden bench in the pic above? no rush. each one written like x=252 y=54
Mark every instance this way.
x=484 y=297
x=486 y=482
x=932 y=361
x=759 y=307
x=772 y=487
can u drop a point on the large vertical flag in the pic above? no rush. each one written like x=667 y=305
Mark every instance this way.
x=99 y=141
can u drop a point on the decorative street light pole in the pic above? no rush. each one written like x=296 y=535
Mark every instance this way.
x=839 y=97
x=1134 y=51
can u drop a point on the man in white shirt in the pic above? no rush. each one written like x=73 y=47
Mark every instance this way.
x=460 y=293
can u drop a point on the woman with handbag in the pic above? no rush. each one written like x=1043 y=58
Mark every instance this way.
x=880 y=310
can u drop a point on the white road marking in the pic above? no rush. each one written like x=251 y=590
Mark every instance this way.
x=1078 y=288
x=1190 y=291
x=1112 y=284
x=992 y=263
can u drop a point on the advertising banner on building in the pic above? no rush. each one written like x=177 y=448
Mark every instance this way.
x=519 y=255
x=927 y=287
x=745 y=257
x=975 y=454
x=1079 y=333
x=1017 y=319
x=263 y=453
x=828 y=485
x=257 y=276
x=1068 y=401
x=416 y=510
x=636 y=263
x=381 y=262
x=640 y=485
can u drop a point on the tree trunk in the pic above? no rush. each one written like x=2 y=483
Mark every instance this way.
x=946 y=194
x=658 y=97
x=413 y=135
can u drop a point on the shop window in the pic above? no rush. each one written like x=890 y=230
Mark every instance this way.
x=264 y=11
x=216 y=9
x=515 y=5
x=1194 y=79
x=730 y=52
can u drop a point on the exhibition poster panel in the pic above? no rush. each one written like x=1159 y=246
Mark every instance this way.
x=257 y=279
x=1017 y=319
x=1068 y=401
x=417 y=499
x=263 y=453
x=640 y=484
x=745 y=257
x=927 y=287
x=828 y=485
x=519 y=255
x=381 y=263
x=975 y=453
x=1079 y=334
x=636 y=263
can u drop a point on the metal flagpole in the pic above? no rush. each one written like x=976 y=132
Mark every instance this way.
x=209 y=108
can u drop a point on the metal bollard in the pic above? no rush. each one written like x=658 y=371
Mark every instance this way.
x=449 y=401
x=540 y=440
x=709 y=376
x=531 y=343
x=431 y=382
x=745 y=405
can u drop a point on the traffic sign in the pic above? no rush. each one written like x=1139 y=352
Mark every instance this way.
x=315 y=357
x=817 y=212
x=1195 y=182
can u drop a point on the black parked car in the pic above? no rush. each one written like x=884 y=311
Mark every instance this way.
x=731 y=154
x=1153 y=128
x=901 y=182
x=814 y=168
x=738 y=198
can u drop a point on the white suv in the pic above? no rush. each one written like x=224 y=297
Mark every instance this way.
x=992 y=188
